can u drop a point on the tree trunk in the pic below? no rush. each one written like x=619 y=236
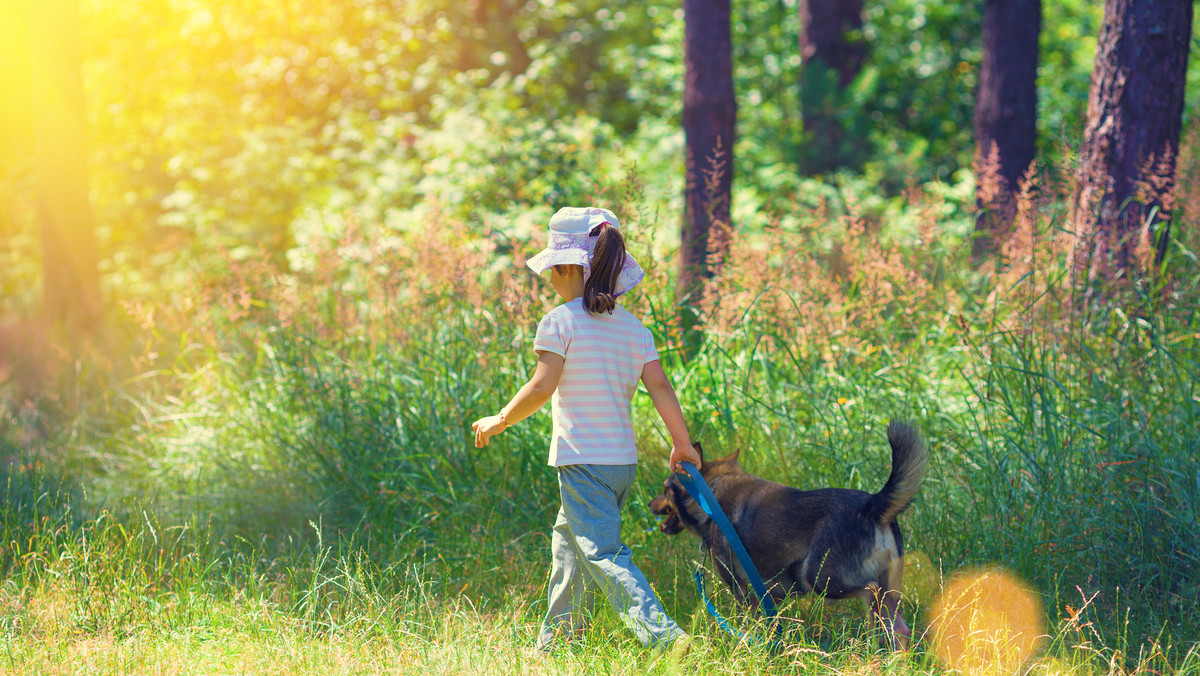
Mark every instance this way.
x=709 y=112
x=16 y=115
x=832 y=51
x=1131 y=137
x=1005 y=114
x=71 y=282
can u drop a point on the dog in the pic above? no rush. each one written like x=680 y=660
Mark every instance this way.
x=838 y=542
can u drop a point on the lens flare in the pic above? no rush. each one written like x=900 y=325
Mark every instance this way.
x=986 y=623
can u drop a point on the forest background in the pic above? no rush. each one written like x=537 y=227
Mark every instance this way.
x=244 y=443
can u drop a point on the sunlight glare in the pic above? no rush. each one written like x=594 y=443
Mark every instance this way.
x=986 y=623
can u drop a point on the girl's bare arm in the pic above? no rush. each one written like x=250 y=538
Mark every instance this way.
x=667 y=405
x=532 y=396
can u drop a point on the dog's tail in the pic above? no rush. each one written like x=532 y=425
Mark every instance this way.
x=908 y=469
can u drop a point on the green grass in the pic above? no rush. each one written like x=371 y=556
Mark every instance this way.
x=101 y=596
x=276 y=491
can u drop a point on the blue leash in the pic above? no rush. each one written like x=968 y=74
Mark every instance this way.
x=698 y=488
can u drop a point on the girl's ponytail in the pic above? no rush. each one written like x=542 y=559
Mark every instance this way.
x=608 y=258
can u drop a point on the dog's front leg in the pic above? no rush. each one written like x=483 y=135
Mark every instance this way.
x=731 y=572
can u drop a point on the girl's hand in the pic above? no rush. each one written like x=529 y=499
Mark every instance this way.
x=486 y=428
x=683 y=454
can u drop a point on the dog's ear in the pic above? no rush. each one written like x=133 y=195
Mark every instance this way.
x=699 y=451
x=732 y=457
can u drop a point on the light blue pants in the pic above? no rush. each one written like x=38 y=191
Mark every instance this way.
x=588 y=558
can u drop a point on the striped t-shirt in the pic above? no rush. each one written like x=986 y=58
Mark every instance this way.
x=603 y=356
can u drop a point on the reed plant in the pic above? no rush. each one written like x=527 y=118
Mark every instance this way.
x=274 y=473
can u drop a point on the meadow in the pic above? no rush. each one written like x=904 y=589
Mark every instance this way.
x=273 y=472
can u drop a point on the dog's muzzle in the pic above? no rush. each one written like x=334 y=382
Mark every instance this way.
x=663 y=506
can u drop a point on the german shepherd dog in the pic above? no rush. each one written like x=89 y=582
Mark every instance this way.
x=838 y=542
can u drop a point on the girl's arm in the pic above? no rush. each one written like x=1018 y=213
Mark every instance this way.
x=528 y=399
x=667 y=405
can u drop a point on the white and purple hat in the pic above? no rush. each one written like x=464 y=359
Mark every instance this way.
x=572 y=243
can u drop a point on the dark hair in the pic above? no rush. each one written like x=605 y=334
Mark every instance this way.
x=608 y=259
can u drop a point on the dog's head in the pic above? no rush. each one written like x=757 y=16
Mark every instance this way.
x=677 y=506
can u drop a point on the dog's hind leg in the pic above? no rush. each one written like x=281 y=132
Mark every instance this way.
x=885 y=607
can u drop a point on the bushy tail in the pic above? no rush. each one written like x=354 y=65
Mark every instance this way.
x=908 y=469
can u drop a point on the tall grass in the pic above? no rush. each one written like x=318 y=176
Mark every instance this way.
x=279 y=476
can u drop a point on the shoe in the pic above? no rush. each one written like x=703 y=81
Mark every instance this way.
x=538 y=653
x=681 y=647
x=551 y=643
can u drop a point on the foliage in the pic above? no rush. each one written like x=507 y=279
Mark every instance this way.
x=314 y=225
x=269 y=113
x=337 y=390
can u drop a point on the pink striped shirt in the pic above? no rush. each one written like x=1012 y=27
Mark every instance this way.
x=603 y=356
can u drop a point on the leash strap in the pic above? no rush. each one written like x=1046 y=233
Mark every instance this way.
x=712 y=609
x=698 y=488
x=774 y=644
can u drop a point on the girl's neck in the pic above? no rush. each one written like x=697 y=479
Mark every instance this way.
x=569 y=286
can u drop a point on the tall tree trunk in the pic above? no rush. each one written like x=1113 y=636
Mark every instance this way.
x=1005 y=114
x=1131 y=137
x=71 y=283
x=709 y=113
x=832 y=51
x=16 y=115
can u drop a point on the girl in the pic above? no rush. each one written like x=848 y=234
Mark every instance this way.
x=591 y=355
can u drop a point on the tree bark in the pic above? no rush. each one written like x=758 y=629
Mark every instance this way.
x=16 y=115
x=1005 y=114
x=709 y=114
x=70 y=278
x=832 y=52
x=1131 y=137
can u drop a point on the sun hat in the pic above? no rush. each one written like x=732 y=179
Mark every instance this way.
x=573 y=234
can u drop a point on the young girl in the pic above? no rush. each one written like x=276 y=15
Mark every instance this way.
x=591 y=355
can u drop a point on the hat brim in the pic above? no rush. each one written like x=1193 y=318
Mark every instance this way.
x=548 y=258
x=630 y=276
